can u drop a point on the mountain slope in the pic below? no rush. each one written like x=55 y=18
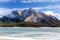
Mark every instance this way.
x=31 y=15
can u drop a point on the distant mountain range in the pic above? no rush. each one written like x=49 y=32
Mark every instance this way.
x=30 y=15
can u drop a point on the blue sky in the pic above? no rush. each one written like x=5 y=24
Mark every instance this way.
x=46 y=6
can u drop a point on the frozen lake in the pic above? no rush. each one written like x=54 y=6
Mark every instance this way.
x=30 y=33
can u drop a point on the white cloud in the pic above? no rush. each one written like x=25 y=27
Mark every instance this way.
x=5 y=0
x=49 y=13
x=27 y=1
x=53 y=14
x=30 y=1
x=49 y=0
x=14 y=1
x=58 y=16
x=36 y=1
x=52 y=7
x=49 y=7
x=4 y=11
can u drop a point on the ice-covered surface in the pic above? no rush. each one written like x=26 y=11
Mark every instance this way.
x=27 y=33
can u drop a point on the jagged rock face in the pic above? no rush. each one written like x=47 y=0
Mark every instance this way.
x=29 y=15
x=34 y=17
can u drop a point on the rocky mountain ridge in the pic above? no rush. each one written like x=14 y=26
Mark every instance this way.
x=29 y=15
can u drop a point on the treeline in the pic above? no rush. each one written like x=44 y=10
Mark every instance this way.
x=27 y=24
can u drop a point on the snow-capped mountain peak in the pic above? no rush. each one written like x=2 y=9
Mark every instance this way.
x=30 y=15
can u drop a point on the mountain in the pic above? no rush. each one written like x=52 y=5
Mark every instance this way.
x=30 y=15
